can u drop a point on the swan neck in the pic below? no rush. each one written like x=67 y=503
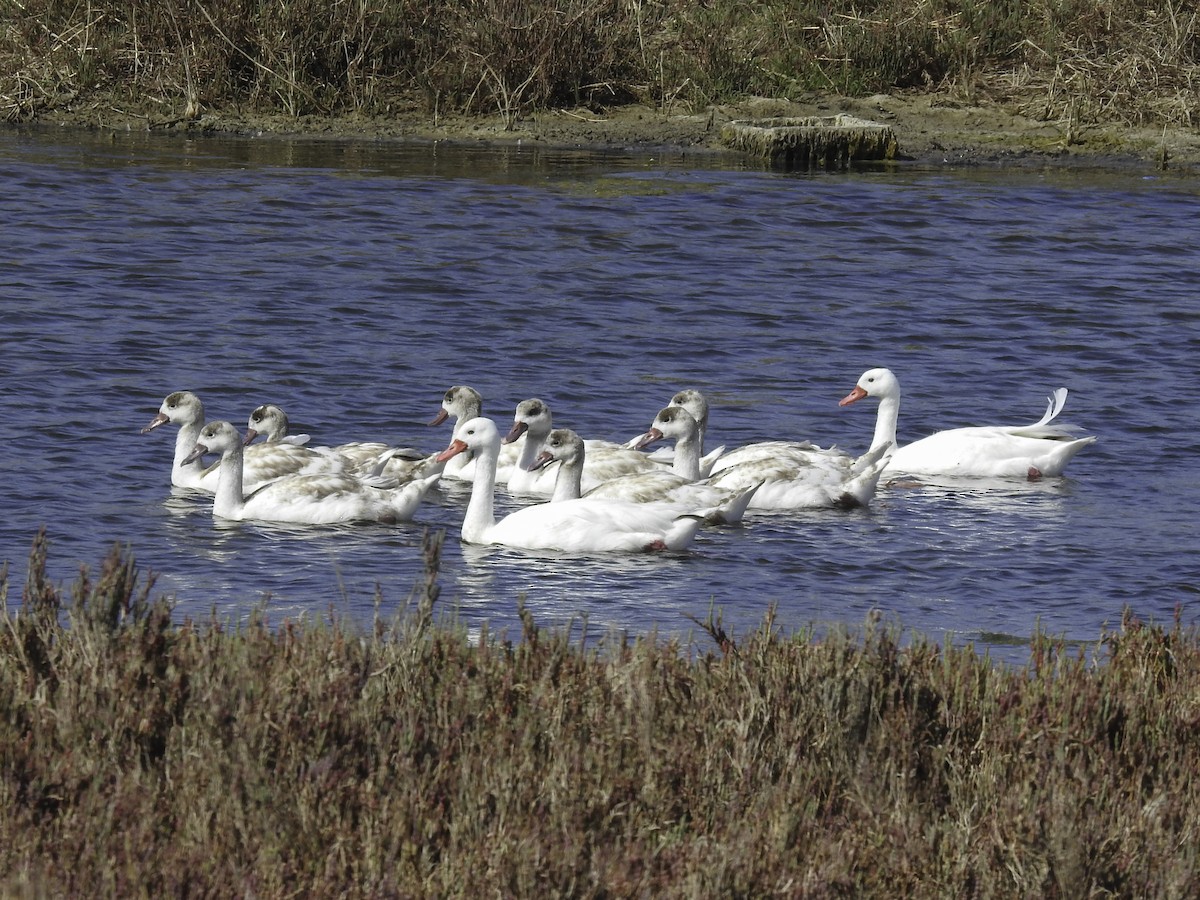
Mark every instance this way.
x=568 y=484
x=185 y=441
x=687 y=457
x=229 y=498
x=531 y=446
x=480 y=516
x=885 y=422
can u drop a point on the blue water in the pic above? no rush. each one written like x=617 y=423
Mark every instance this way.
x=353 y=283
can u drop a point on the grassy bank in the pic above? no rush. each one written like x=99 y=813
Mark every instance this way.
x=1082 y=61
x=145 y=758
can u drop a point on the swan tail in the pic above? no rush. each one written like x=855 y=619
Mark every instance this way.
x=1055 y=462
x=708 y=460
x=859 y=491
x=1054 y=405
x=681 y=533
x=407 y=497
x=1046 y=428
x=733 y=510
x=880 y=453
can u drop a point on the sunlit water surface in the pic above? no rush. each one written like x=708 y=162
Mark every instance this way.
x=353 y=283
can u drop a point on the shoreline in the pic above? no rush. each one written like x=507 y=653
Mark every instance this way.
x=932 y=130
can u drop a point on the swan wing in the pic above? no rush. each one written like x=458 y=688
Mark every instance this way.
x=801 y=451
x=796 y=483
x=316 y=500
x=998 y=452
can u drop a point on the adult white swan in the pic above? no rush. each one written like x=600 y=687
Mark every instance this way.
x=996 y=451
x=263 y=462
x=604 y=461
x=784 y=482
x=301 y=499
x=716 y=505
x=582 y=526
x=360 y=457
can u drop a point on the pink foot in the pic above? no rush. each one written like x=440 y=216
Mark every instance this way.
x=1034 y=474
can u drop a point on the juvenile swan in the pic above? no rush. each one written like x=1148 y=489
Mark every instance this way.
x=301 y=499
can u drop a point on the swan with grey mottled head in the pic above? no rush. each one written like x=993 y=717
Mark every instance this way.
x=327 y=499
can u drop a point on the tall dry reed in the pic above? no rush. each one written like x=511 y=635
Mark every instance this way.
x=1086 y=60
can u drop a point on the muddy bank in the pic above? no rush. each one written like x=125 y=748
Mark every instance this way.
x=932 y=129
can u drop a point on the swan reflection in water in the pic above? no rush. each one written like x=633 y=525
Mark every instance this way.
x=292 y=564
x=1040 y=499
x=604 y=589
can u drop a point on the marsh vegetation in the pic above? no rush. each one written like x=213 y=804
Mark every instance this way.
x=142 y=756
x=1082 y=61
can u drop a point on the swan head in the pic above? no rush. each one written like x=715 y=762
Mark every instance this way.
x=694 y=402
x=179 y=408
x=268 y=420
x=562 y=445
x=672 y=422
x=878 y=383
x=479 y=435
x=215 y=437
x=461 y=402
x=532 y=416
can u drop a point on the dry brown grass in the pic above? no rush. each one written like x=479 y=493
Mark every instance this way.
x=144 y=758
x=1080 y=61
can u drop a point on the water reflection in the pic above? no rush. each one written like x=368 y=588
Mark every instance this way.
x=557 y=586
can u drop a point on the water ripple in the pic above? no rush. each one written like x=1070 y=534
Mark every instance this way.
x=354 y=284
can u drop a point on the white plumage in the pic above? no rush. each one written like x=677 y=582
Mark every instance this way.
x=1042 y=448
x=585 y=526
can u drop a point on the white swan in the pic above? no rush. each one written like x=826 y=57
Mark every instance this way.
x=462 y=403
x=263 y=462
x=301 y=499
x=715 y=505
x=369 y=458
x=786 y=482
x=995 y=451
x=585 y=526
x=604 y=461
